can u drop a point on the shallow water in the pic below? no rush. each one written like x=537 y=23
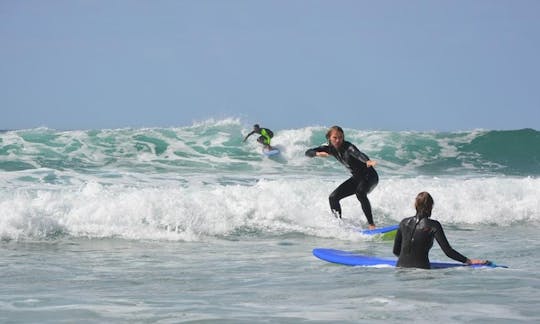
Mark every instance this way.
x=264 y=279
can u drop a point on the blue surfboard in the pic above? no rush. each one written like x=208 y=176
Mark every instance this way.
x=273 y=151
x=386 y=233
x=354 y=259
x=380 y=230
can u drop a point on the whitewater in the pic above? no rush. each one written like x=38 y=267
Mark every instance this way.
x=188 y=224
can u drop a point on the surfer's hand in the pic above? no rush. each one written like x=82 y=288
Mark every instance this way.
x=371 y=163
x=324 y=154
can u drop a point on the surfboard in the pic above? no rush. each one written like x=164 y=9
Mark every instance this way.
x=271 y=152
x=380 y=230
x=354 y=259
x=387 y=233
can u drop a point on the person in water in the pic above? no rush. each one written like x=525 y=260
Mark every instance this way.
x=264 y=139
x=414 y=237
x=364 y=177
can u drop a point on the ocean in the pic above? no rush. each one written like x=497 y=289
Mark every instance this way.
x=190 y=224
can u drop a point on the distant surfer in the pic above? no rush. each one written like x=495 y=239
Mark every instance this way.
x=264 y=139
x=414 y=237
x=364 y=177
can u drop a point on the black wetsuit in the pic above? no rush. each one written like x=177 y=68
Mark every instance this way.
x=363 y=179
x=414 y=239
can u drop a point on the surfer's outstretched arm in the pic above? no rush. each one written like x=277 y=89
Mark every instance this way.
x=318 y=151
x=248 y=135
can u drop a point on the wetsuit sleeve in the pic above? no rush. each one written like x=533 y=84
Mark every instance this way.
x=313 y=151
x=248 y=135
x=397 y=242
x=355 y=152
x=445 y=246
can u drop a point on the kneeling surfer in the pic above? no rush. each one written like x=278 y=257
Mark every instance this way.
x=414 y=237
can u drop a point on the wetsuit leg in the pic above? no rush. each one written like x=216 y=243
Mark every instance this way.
x=364 y=187
x=366 y=207
x=345 y=189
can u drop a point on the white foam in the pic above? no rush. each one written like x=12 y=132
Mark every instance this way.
x=118 y=190
x=271 y=205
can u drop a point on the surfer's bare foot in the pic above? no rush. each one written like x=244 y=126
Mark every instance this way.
x=371 y=227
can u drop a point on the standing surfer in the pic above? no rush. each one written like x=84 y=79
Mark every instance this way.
x=364 y=177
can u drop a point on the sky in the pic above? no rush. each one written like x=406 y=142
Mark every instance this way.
x=377 y=65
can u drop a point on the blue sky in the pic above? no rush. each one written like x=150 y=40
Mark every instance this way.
x=374 y=65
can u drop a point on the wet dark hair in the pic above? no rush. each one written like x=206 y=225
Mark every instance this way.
x=424 y=204
x=256 y=126
x=332 y=129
